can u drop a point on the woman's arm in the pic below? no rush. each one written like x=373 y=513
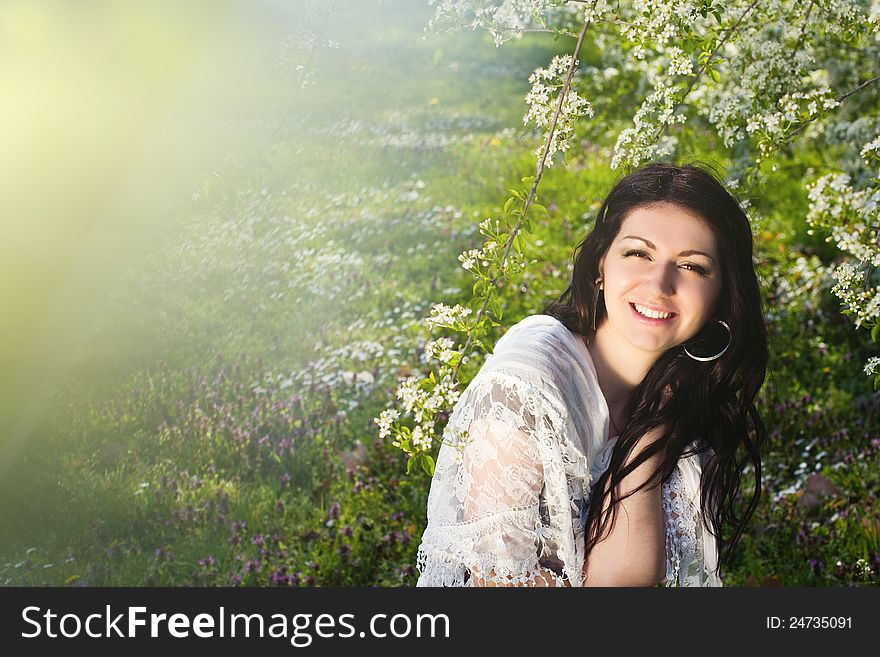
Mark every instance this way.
x=633 y=554
x=505 y=473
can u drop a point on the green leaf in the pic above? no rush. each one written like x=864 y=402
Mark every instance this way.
x=509 y=205
x=540 y=208
x=875 y=332
x=409 y=464
x=715 y=75
x=428 y=465
x=494 y=305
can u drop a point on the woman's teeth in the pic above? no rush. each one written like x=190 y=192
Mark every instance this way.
x=652 y=314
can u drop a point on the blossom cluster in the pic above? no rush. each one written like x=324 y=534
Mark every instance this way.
x=640 y=142
x=493 y=259
x=472 y=259
x=543 y=103
x=421 y=402
x=443 y=350
x=453 y=317
x=852 y=217
x=850 y=214
x=797 y=287
x=846 y=18
x=860 y=300
x=793 y=110
x=659 y=23
x=504 y=19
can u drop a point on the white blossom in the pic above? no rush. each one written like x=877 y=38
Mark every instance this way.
x=639 y=143
x=543 y=103
x=408 y=393
x=441 y=349
x=447 y=316
x=385 y=419
x=421 y=439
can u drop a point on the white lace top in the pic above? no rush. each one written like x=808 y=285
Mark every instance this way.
x=514 y=501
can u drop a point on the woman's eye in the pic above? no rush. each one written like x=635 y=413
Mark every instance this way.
x=695 y=268
x=689 y=266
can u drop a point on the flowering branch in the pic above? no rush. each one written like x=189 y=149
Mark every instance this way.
x=707 y=63
x=539 y=173
x=797 y=45
x=424 y=399
x=803 y=125
x=720 y=45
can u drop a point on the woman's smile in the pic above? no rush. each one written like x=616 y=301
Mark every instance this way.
x=652 y=317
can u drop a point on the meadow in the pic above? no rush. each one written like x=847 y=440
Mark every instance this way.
x=216 y=427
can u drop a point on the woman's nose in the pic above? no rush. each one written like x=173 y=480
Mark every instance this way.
x=663 y=279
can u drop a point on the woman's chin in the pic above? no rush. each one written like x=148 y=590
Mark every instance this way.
x=652 y=345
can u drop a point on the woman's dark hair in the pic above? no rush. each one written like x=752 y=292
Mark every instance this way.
x=710 y=402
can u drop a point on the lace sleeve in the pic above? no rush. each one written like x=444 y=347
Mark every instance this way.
x=691 y=555
x=500 y=509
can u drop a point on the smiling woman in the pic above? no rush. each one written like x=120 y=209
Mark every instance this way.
x=621 y=396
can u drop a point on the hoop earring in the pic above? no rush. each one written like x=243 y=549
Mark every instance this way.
x=596 y=301
x=705 y=359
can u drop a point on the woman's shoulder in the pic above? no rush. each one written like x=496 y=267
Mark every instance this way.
x=538 y=328
x=543 y=347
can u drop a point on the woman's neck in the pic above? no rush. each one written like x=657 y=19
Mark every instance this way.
x=620 y=369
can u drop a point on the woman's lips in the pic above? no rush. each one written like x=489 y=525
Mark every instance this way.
x=650 y=320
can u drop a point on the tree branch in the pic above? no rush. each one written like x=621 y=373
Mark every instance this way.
x=839 y=100
x=803 y=125
x=797 y=45
x=531 y=197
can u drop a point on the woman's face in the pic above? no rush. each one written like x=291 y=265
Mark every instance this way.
x=663 y=260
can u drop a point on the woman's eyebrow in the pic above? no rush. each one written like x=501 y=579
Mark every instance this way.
x=651 y=246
